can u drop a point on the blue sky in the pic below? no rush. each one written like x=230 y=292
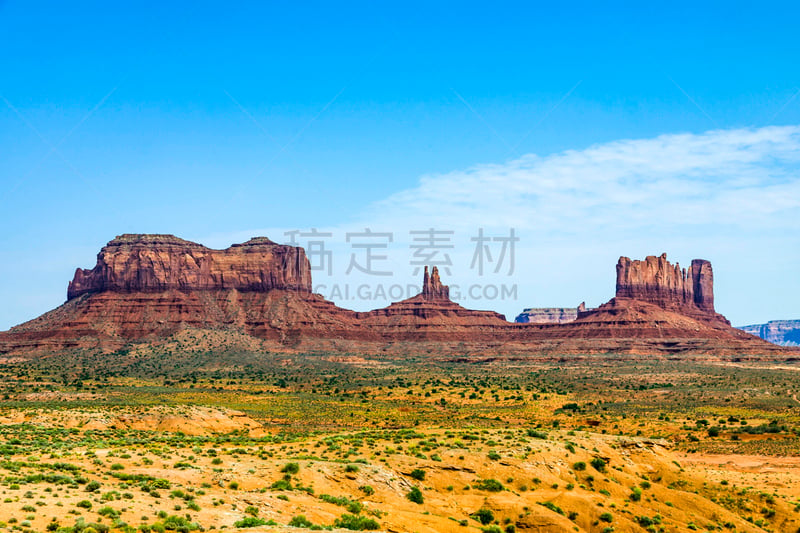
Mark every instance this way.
x=217 y=123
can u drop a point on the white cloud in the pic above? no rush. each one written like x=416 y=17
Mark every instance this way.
x=725 y=195
x=732 y=177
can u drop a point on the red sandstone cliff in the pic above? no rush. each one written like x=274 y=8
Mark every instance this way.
x=655 y=280
x=157 y=263
x=146 y=288
x=432 y=287
x=430 y=309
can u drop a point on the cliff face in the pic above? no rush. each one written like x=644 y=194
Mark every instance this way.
x=156 y=263
x=147 y=288
x=781 y=332
x=549 y=315
x=433 y=310
x=655 y=280
x=432 y=287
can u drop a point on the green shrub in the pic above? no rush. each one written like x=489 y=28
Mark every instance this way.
x=418 y=474
x=91 y=527
x=281 y=484
x=356 y=523
x=553 y=507
x=352 y=506
x=598 y=464
x=178 y=523
x=415 y=495
x=108 y=512
x=484 y=516
x=290 y=468
x=300 y=521
x=536 y=434
x=646 y=521
x=491 y=485
x=250 y=521
x=606 y=517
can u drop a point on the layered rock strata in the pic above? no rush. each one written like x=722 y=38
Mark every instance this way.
x=158 y=263
x=148 y=288
x=550 y=315
x=655 y=280
x=781 y=332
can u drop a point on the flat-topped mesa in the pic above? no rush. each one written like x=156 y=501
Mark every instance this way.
x=655 y=280
x=156 y=263
x=550 y=315
x=148 y=288
x=782 y=332
x=432 y=287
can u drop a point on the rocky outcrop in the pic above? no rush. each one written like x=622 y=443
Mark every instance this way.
x=157 y=263
x=655 y=280
x=149 y=289
x=432 y=287
x=430 y=309
x=549 y=315
x=780 y=332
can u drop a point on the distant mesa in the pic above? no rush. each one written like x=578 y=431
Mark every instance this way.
x=550 y=315
x=145 y=289
x=655 y=281
x=780 y=332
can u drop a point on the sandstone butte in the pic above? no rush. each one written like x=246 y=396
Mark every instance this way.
x=148 y=288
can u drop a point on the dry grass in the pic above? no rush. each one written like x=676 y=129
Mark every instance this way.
x=628 y=445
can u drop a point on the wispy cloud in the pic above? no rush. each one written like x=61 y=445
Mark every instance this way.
x=730 y=196
x=739 y=177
